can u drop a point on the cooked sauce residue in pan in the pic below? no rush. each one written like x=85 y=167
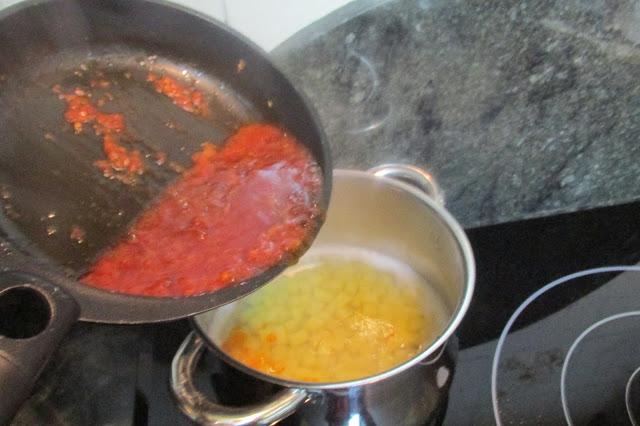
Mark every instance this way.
x=122 y=163
x=239 y=210
x=187 y=98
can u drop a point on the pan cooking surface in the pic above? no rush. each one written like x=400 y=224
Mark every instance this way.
x=49 y=186
x=56 y=203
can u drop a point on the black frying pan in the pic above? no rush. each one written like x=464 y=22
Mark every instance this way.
x=48 y=183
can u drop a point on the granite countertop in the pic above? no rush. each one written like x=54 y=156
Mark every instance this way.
x=519 y=108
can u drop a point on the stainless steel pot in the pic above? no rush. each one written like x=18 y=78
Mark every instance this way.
x=396 y=210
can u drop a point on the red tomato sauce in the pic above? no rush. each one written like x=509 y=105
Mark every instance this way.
x=236 y=212
x=121 y=163
x=187 y=98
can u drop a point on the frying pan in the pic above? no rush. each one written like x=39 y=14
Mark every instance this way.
x=48 y=184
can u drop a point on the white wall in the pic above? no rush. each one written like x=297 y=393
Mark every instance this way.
x=267 y=22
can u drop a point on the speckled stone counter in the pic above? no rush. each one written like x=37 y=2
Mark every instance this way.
x=519 y=108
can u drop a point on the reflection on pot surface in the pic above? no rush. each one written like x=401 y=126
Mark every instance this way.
x=341 y=314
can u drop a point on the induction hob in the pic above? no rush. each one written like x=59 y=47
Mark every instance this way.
x=571 y=352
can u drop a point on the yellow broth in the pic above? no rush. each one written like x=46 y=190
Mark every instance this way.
x=335 y=319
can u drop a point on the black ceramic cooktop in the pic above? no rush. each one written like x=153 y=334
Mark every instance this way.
x=570 y=355
x=514 y=261
x=572 y=349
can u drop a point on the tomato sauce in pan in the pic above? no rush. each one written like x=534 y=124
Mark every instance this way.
x=185 y=97
x=121 y=163
x=236 y=212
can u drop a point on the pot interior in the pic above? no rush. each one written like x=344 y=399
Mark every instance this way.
x=389 y=224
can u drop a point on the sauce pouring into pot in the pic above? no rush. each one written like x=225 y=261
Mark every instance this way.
x=393 y=220
x=238 y=211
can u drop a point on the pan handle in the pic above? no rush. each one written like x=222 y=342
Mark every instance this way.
x=200 y=409
x=34 y=317
x=413 y=175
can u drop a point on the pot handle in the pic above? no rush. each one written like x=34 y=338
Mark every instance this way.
x=34 y=317
x=200 y=409
x=413 y=175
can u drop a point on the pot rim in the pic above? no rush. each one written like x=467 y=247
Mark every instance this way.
x=456 y=317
